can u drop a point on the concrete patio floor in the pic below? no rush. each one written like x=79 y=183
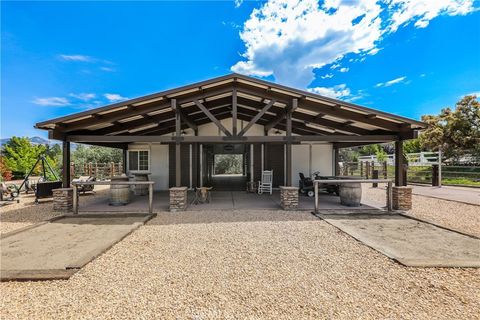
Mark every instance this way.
x=58 y=248
x=411 y=242
x=220 y=200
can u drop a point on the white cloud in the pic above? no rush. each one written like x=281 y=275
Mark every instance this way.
x=421 y=12
x=238 y=3
x=327 y=76
x=51 y=101
x=76 y=57
x=477 y=94
x=114 y=97
x=289 y=39
x=391 y=82
x=336 y=92
x=344 y=69
x=83 y=96
x=107 y=69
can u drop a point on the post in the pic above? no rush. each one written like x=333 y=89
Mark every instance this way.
x=75 y=199
x=336 y=157
x=435 y=176
x=389 y=196
x=150 y=198
x=124 y=167
x=234 y=112
x=385 y=168
x=252 y=178
x=440 y=167
x=316 y=195
x=201 y=165
x=367 y=169
x=289 y=142
x=66 y=164
x=178 y=128
x=399 y=164
x=375 y=176
x=361 y=169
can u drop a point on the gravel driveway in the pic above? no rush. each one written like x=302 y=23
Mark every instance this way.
x=244 y=264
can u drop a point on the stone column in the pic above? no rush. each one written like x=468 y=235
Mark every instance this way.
x=178 y=199
x=63 y=199
x=289 y=198
x=402 y=197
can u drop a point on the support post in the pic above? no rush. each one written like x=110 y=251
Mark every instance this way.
x=389 y=196
x=289 y=142
x=124 y=168
x=178 y=128
x=336 y=157
x=234 y=112
x=66 y=164
x=399 y=164
x=150 y=198
x=75 y=199
x=316 y=196
x=440 y=167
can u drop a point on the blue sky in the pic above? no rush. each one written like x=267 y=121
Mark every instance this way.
x=404 y=57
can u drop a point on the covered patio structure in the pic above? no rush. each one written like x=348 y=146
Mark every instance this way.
x=175 y=134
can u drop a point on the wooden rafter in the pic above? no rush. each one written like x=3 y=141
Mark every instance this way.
x=256 y=117
x=212 y=118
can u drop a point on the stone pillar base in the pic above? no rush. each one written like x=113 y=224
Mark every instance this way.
x=289 y=198
x=63 y=199
x=178 y=199
x=402 y=198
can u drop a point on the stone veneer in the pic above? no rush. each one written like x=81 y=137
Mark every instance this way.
x=63 y=199
x=289 y=198
x=402 y=198
x=178 y=199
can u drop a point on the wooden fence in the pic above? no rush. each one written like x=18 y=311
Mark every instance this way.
x=100 y=171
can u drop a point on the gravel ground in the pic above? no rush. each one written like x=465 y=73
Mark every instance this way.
x=454 y=215
x=14 y=215
x=245 y=265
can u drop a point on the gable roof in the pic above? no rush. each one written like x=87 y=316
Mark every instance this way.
x=153 y=114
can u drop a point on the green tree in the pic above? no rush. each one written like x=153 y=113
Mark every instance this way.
x=228 y=163
x=412 y=146
x=457 y=131
x=85 y=154
x=20 y=156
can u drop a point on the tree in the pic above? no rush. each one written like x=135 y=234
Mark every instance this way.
x=228 y=163
x=412 y=146
x=20 y=156
x=85 y=154
x=457 y=131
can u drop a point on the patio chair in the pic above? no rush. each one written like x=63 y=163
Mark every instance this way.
x=85 y=187
x=267 y=182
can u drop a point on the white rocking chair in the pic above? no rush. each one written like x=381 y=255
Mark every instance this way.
x=266 y=184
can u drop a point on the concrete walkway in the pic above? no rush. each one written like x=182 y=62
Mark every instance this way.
x=460 y=194
x=220 y=200
x=59 y=248
x=410 y=242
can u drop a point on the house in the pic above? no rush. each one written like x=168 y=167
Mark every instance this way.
x=174 y=135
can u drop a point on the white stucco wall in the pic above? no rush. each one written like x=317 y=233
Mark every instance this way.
x=321 y=158
x=211 y=129
x=158 y=163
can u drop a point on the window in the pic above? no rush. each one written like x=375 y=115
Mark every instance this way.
x=138 y=160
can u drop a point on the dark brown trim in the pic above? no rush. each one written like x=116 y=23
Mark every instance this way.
x=212 y=118
x=256 y=117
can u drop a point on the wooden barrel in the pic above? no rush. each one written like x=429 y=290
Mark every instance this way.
x=141 y=189
x=351 y=194
x=119 y=194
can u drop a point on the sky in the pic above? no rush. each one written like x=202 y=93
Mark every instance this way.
x=407 y=57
